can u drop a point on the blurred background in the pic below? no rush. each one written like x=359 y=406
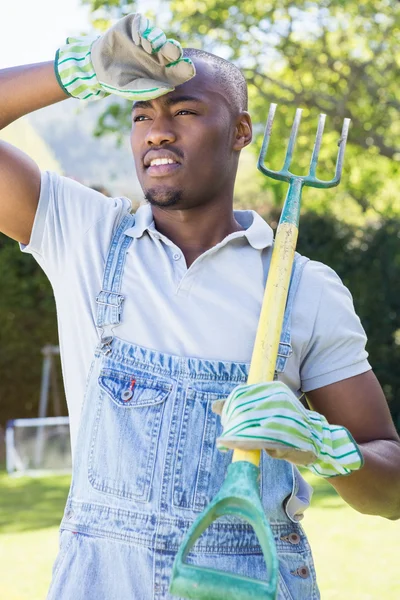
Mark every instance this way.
x=338 y=58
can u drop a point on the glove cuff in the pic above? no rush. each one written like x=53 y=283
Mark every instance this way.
x=74 y=69
x=339 y=453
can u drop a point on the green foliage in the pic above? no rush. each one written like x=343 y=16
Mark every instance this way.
x=121 y=7
x=105 y=10
x=333 y=57
x=377 y=290
x=115 y=120
x=28 y=322
x=330 y=55
x=368 y=262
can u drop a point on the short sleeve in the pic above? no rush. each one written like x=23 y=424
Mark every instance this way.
x=335 y=347
x=67 y=211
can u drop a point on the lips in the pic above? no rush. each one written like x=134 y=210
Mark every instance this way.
x=160 y=154
x=162 y=170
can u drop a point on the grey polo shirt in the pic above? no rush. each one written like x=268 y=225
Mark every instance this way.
x=210 y=310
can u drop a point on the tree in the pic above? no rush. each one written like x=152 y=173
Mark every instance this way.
x=338 y=58
x=368 y=261
x=27 y=308
x=28 y=322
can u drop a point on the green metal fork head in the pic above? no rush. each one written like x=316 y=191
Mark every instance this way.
x=239 y=496
x=310 y=179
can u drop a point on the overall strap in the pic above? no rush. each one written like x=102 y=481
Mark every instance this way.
x=285 y=347
x=109 y=301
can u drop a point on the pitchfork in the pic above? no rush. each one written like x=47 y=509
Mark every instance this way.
x=239 y=495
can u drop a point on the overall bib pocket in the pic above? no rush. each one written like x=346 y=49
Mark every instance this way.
x=200 y=468
x=125 y=433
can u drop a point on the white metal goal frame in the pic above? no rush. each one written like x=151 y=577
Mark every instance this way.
x=31 y=461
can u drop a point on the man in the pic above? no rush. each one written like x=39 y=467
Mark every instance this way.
x=157 y=316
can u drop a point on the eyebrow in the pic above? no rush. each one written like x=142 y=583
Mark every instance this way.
x=171 y=101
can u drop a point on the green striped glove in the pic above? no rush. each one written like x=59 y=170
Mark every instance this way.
x=132 y=59
x=269 y=416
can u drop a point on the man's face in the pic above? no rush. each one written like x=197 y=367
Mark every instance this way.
x=193 y=129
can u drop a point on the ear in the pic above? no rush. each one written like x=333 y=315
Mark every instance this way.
x=243 y=131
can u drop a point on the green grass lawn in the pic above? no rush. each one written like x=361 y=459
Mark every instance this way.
x=356 y=556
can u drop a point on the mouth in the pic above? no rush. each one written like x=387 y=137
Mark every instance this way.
x=160 y=163
x=161 y=170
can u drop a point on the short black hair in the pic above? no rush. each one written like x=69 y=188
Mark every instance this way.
x=228 y=76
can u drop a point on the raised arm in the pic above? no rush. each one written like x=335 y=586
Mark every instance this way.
x=132 y=59
x=22 y=90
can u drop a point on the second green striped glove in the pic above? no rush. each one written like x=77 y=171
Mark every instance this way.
x=269 y=416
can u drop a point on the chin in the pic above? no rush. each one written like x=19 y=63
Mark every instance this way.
x=163 y=197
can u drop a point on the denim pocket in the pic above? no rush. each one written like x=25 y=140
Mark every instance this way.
x=200 y=468
x=125 y=434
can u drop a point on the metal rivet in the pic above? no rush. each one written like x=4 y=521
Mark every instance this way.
x=126 y=395
x=294 y=538
x=302 y=572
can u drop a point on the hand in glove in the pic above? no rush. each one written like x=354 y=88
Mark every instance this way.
x=269 y=416
x=132 y=59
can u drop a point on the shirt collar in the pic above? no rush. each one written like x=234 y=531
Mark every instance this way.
x=258 y=233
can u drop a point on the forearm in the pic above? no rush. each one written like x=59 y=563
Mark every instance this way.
x=375 y=488
x=26 y=89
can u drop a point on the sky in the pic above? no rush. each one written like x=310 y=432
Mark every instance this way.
x=31 y=31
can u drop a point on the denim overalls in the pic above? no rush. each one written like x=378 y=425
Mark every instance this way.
x=146 y=465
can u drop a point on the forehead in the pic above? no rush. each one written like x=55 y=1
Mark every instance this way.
x=203 y=82
x=204 y=86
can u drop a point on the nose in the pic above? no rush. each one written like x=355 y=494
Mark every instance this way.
x=160 y=132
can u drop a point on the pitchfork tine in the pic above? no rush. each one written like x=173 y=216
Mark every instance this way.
x=342 y=147
x=317 y=145
x=267 y=136
x=292 y=140
x=310 y=179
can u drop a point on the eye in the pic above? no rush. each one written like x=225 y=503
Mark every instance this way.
x=188 y=112
x=139 y=118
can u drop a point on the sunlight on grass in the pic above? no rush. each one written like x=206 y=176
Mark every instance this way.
x=356 y=556
x=26 y=560
x=30 y=513
x=28 y=503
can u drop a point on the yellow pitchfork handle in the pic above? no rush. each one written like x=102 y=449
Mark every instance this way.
x=273 y=308
x=266 y=344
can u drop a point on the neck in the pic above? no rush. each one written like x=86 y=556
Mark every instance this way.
x=197 y=229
